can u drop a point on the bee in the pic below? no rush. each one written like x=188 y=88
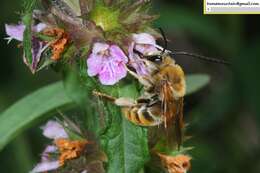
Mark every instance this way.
x=163 y=96
x=162 y=99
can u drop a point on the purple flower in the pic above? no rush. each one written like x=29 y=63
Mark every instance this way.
x=108 y=62
x=16 y=32
x=54 y=130
x=145 y=43
x=136 y=62
x=47 y=151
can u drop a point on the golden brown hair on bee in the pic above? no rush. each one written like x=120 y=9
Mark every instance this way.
x=173 y=74
x=69 y=149
x=169 y=84
x=176 y=164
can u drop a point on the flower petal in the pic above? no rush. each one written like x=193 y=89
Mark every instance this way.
x=99 y=47
x=136 y=62
x=46 y=153
x=144 y=38
x=39 y=27
x=54 y=130
x=46 y=166
x=146 y=49
x=112 y=72
x=118 y=54
x=94 y=63
x=15 y=31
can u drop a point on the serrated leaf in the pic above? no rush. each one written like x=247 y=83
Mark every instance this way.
x=30 y=109
x=29 y=5
x=125 y=143
x=195 y=82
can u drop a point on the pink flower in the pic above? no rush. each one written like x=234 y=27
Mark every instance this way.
x=16 y=32
x=136 y=62
x=54 y=130
x=145 y=43
x=108 y=62
x=47 y=151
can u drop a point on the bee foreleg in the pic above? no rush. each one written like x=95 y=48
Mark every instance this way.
x=143 y=80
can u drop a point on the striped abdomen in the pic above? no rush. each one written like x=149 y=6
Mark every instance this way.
x=143 y=115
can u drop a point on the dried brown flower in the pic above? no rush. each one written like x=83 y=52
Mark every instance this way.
x=69 y=149
x=176 y=164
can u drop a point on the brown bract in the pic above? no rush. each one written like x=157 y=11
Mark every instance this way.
x=59 y=43
x=70 y=149
x=176 y=164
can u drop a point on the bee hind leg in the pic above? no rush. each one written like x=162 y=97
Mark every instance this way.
x=121 y=101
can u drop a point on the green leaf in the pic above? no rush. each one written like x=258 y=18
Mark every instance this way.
x=30 y=109
x=195 y=82
x=79 y=86
x=124 y=143
x=27 y=35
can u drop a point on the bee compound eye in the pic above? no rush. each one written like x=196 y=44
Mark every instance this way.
x=155 y=58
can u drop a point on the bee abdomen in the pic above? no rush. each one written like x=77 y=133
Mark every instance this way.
x=141 y=116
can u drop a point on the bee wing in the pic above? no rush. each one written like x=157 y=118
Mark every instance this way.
x=168 y=108
x=179 y=124
x=172 y=114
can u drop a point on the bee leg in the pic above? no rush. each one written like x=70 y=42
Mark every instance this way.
x=143 y=80
x=121 y=101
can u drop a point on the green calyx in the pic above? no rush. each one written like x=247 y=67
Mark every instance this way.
x=105 y=17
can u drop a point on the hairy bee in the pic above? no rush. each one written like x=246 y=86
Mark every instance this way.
x=162 y=100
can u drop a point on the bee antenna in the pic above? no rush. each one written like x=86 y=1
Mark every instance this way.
x=201 y=57
x=164 y=39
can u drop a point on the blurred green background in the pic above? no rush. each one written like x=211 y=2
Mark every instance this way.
x=223 y=117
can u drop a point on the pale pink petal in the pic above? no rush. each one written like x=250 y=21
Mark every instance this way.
x=15 y=31
x=99 y=47
x=121 y=71
x=112 y=72
x=47 y=151
x=46 y=166
x=144 y=38
x=54 y=130
x=136 y=62
x=39 y=27
x=118 y=54
x=50 y=149
x=107 y=75
x=94 y=63
x=146 y=49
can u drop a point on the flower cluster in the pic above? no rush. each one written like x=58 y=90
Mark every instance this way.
x=117 y=37
x=62 y=149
